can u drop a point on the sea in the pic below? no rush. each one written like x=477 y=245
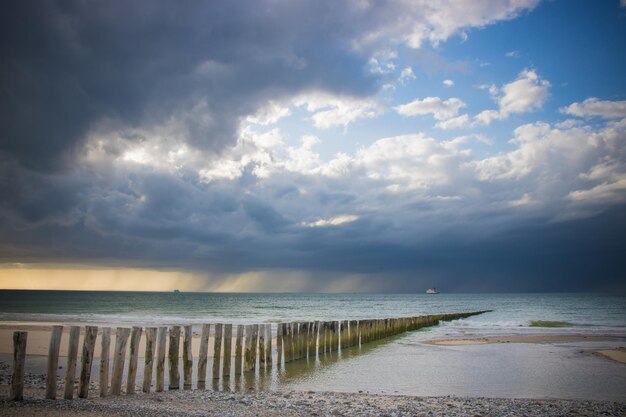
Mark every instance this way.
x=403 y=364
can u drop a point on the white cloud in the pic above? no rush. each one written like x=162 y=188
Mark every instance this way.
x=526 y=93
x=271 y=113
x=524 y=200
x=407 y=74
x=330 y=110
x=416 y=22
x=440 y=109
x=614 y=191
x=378 y=67
x=512 y=54
x=454 y=123
x=448 y=83
x=596 y=107
x=333 y=221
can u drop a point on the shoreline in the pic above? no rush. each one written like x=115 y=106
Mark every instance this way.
x=301 y=403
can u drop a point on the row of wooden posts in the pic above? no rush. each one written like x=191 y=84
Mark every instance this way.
x=294 y=340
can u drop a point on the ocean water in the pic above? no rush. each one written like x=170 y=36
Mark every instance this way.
x=402 y=364
x=512 y=313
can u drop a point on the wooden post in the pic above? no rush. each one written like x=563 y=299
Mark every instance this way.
x=296 y=340
x=151 y=333
x=217 y=349
x=89 y=343
x=261 y=345
x=202 y=356
x=268 y=347
x=293 y=334
x=187 y=357
x=173 y=358
x=279 y=344
x=105 y=347
x=248 y=351
x=228 y=342
x=135 y=337
x=119 y=357
x=239 y=349
x=19 y=359
x=316 y=325
x=255 y=342
x=72 y=355
x=301 y=336
x=160 y=366
x=53 y=362
x=343 y=329
x=330 y=335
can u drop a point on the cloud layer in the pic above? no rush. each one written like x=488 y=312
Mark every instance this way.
x=153 y=136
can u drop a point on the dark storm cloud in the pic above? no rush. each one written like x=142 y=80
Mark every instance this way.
x=84 y=82
x=67 y=65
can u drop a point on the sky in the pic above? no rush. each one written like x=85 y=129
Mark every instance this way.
x=328 y=146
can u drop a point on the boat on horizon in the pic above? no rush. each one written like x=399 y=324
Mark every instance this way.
x=432 y=290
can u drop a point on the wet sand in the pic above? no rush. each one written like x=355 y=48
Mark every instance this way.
x=618 y=355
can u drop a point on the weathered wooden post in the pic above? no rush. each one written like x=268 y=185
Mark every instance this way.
x=19 y=359
x=53 y=362
x=135 y=337
x=72 y=356
x=217 y=349
x=293 y=340
x=239 y=349
x=173 y=355
x=203 y=354
x=286 y=343
x=328 y=336
x=316 y=328
x=307 y=339
x=302 y=335
x=279 y=344
x=119 y=357
x=331 y=336
x=341 y=327
x=228 y=342
x=248 y=350
x=89 y=343
x=105 y=347
x=255 y=342
x=261 y=345
x=297 y=340
x=160 y=365
x=151 y=333
x=187 y=357
x=268 y=347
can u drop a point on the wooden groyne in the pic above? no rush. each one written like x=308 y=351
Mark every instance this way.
x=254 y=351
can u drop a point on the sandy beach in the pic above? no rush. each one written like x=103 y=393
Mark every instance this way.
x=618 y=355
x=288 y=402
